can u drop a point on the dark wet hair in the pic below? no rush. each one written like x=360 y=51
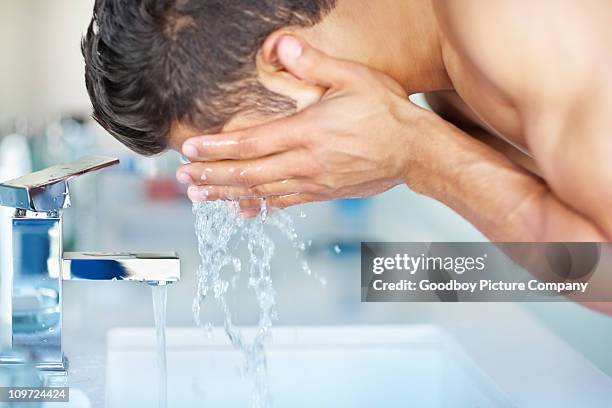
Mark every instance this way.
x=152 y=63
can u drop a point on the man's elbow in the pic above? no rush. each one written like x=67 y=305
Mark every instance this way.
x=589 y=191
x=573 y=147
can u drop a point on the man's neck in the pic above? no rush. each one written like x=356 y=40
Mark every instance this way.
x=397 y=37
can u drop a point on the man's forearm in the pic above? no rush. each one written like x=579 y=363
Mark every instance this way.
x=450 y=107
x=504 y=201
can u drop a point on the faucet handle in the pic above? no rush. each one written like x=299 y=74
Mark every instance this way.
x=47 y=190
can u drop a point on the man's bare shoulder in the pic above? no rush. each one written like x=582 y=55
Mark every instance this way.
x=529 y=50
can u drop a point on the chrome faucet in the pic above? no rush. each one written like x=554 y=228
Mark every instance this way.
x=31 y=290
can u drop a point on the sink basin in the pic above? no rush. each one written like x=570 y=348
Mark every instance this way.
x=363 y=366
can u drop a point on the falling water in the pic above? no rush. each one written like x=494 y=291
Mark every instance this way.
x=219 y=229
x=159 y=311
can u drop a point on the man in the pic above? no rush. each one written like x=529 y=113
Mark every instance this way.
x=311 y=97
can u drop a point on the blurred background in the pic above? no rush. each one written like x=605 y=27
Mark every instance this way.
x=44 y=120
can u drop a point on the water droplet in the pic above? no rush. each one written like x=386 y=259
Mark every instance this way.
x=306 y=267
x=337 y=249
x=264 y=210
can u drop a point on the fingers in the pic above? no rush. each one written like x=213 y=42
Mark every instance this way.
x=312 y=65
x=214 y=193
x=250 y=213
x=238 y=173
x=292 y=199
x=232 y=193
x=252 y=206
x=271 y=138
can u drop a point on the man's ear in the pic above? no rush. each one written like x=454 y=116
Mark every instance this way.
x=277 y=79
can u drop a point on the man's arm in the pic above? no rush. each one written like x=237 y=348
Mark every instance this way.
x=503 y=200
x=449 y=106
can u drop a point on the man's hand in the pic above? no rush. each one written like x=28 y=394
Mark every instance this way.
x=353 y=143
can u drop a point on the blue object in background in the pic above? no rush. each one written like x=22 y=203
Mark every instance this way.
x=354 y=207
x=353 y=216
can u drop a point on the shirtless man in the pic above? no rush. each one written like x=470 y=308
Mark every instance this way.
x=536 y=75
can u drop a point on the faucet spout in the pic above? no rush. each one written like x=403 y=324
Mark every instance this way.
x=154 y=268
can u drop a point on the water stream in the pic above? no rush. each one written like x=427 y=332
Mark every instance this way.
x=160 y=296
x=220 y=230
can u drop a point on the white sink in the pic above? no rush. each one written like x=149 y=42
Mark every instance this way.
x=365 y=366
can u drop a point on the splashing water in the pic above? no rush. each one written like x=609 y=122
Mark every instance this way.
x=218 y=225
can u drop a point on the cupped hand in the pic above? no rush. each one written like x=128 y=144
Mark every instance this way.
x=354 y=142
